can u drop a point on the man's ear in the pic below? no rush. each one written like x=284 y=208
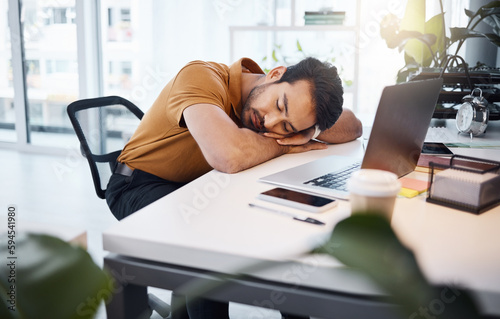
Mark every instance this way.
x=275 y=74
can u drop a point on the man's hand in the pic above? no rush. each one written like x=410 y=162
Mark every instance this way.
x=309 y=146
x=298 y=142
x=300 y=138
x=347 y=128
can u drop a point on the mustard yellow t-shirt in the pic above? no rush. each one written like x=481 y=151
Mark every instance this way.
x=162 y=145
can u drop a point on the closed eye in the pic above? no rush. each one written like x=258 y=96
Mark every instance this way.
x=287 y=127
x=284 y=123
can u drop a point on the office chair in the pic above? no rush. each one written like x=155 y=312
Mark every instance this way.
x=103 y=126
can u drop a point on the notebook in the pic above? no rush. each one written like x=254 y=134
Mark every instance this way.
x=396 y=139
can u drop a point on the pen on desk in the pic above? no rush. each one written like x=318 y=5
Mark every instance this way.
x=296 y=217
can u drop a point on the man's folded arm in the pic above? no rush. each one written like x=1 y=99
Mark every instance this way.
x=229 y=148
x=347 y=128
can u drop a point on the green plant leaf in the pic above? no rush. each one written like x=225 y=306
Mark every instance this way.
x=410 y=67
x=414 y=17
x=457 y=34
x=410 y=61
x=299 y=47
x=420 y=48
x=53 y=280
x=414 y=20
x=400 y=39
x=494 y=38
x=490 y=16
x=492 y=4
x=366 y=242
x=435 y=27
x=389 y=30
x=482 y=12
x=348 y=83
x=275 y=59
x=423 y=48
x=469 y=13
x=405 y=73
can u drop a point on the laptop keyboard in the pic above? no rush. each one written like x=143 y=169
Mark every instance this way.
x=336 y=180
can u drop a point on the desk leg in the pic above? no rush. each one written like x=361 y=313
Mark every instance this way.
x=128 y=301
x=179 y=310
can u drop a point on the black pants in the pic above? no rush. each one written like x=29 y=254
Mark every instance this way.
x=127 y=194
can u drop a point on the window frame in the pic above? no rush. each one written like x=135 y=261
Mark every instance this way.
x=89 y=69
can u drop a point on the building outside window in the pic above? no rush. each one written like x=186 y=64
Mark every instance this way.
x=50 y=45
x=7 y=111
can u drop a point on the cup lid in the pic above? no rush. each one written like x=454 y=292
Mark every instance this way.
x=374 y=182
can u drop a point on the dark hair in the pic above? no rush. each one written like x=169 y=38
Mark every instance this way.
x=326 y=88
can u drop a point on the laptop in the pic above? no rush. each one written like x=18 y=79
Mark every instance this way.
x=398 y=133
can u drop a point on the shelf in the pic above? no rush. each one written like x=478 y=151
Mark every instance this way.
x=339 y=41
x=310 y=28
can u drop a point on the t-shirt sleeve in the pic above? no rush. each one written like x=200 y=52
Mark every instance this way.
x=198 y=82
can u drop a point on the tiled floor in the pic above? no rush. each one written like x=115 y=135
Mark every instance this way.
x=58 y=191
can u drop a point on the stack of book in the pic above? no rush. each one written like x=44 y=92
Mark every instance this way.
x=423 y=164
x=324 y=17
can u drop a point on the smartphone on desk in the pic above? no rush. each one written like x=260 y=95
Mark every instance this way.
x=438 y=149
x=299 y=200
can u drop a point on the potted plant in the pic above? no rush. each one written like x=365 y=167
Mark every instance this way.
x=425 y=43
x=45 y=277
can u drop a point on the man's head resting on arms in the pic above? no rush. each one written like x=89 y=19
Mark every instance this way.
x=294 y=99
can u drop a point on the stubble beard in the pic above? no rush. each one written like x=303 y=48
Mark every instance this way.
x=247 y=109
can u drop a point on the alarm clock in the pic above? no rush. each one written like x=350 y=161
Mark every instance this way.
x=472 y=116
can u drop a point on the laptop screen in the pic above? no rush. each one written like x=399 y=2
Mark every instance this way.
x=400 y=126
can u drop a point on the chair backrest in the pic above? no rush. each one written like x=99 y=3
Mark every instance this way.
x=103 y=126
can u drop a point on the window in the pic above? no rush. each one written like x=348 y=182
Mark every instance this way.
x=51 y=70
x=118 y=21
x=7 y=111
x=126 y=68
x=143 y=43
x=125 y=14
x=57 y=15
x=121 y=49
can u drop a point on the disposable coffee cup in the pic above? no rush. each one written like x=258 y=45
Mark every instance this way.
x=373 y=191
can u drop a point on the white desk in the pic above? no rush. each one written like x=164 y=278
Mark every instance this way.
x=207 y=226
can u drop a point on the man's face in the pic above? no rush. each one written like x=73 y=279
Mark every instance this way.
x=280 y=108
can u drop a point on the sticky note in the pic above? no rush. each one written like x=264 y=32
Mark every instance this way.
x=406 y=192
x=415 y=184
